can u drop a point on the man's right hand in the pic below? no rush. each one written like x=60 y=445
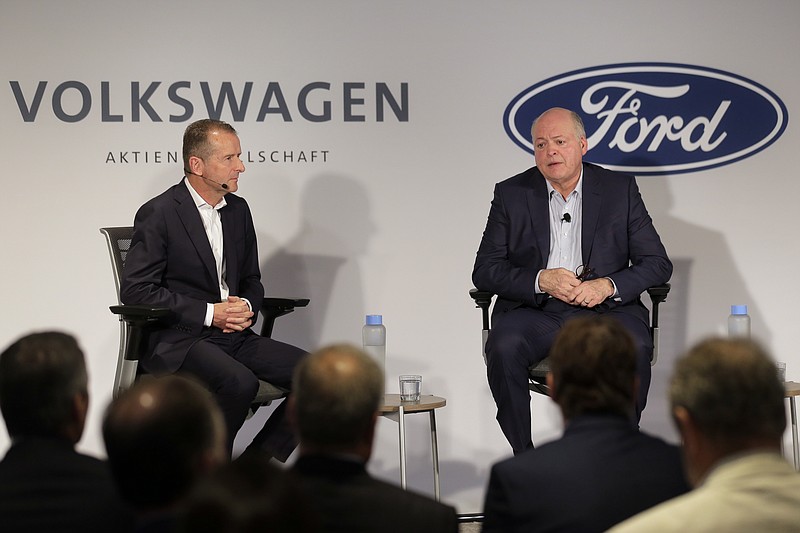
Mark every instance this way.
x=559 y=283
x=232 y=315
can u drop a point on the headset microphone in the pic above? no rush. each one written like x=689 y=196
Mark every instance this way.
x=223 y=185
x=566 y=218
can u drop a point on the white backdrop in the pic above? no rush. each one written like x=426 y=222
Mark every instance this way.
x=389 y=223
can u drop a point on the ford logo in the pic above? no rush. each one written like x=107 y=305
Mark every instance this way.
x=657 y=118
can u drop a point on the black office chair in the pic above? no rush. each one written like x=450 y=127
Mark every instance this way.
x=137 y=320
x=537 y=374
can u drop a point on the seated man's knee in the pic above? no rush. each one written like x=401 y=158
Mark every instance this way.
x=242 y=384
x=505 y=342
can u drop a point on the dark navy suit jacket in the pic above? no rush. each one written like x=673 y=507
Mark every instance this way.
x=170 y=264
x=602 y=471
x=45 y=486
x=347 y=499
x=618 y=239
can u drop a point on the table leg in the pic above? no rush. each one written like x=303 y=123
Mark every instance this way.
x=795 y=450
x=401 y=420
x=435 y=453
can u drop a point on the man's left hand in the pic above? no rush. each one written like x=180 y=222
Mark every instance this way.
x=238 y=316
x=591 y=293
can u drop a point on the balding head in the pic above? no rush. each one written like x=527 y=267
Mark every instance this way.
x=160 y=435
x=336 y=393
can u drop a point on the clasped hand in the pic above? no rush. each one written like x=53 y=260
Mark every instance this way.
x=564 y=284
x=232 y=315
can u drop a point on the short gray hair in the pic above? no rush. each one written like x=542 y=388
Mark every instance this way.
x=731 y=389
x=40 y=374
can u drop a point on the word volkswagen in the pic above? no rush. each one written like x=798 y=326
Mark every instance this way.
x=657 y=118
x=75 y=101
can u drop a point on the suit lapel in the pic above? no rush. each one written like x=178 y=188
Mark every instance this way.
x=539 y=209
x=592 y=204
x=229 y=231
x=193 y=224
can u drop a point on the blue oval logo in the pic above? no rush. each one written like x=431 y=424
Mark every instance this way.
x=657 y=118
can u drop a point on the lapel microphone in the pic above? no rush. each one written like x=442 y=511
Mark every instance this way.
x=565 y=218
x=223 y=185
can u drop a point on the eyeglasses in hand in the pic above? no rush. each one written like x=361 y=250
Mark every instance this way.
x=584 y=272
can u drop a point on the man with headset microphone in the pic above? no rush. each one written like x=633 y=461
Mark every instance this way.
x=194 y=251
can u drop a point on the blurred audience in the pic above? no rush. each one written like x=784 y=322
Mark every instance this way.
x=45 y=485
x=334 y=408
x=162 y=436
x=728 y=404
x=603 y=469
x=249 y=495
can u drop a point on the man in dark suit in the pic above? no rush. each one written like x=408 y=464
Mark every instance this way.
x=563 y=238
x=602 y=470
x=45 y=485
x=162 y=436
x=194 y=251
x=337 y=393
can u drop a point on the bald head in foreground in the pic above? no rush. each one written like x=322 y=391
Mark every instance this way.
x=334 y=408
x=163 y=435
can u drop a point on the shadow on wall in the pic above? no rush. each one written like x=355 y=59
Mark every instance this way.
x=705 y=283
x=321 y=263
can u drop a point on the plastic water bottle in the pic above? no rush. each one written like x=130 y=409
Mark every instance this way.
x=373 y=335
x=739 y=322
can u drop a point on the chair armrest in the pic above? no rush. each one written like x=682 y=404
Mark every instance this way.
x=138 y=318
x=483 y=299
x=272 y=308
x=657 y=295
x=139 y=313
x=283 y=303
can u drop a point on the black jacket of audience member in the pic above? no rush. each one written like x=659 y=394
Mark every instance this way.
x=46 y=486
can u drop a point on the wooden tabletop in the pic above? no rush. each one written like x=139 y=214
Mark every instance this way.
x=427 y=402
x=792 y=389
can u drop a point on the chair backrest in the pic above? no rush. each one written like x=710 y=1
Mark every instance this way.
x=119 y=242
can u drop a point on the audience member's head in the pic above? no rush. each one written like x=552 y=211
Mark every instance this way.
x=593 y=368
x=43 y=387
x=726 y=398
x=248 y=495
x=336 y=393
x=161 y=436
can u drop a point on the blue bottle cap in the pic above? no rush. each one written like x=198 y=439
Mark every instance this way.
x=374 y=320
x=738 y=309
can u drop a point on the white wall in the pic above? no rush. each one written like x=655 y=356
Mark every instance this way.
x=391 y=221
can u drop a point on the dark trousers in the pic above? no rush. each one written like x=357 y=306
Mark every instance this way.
x=230 y=365
x=522 y=337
